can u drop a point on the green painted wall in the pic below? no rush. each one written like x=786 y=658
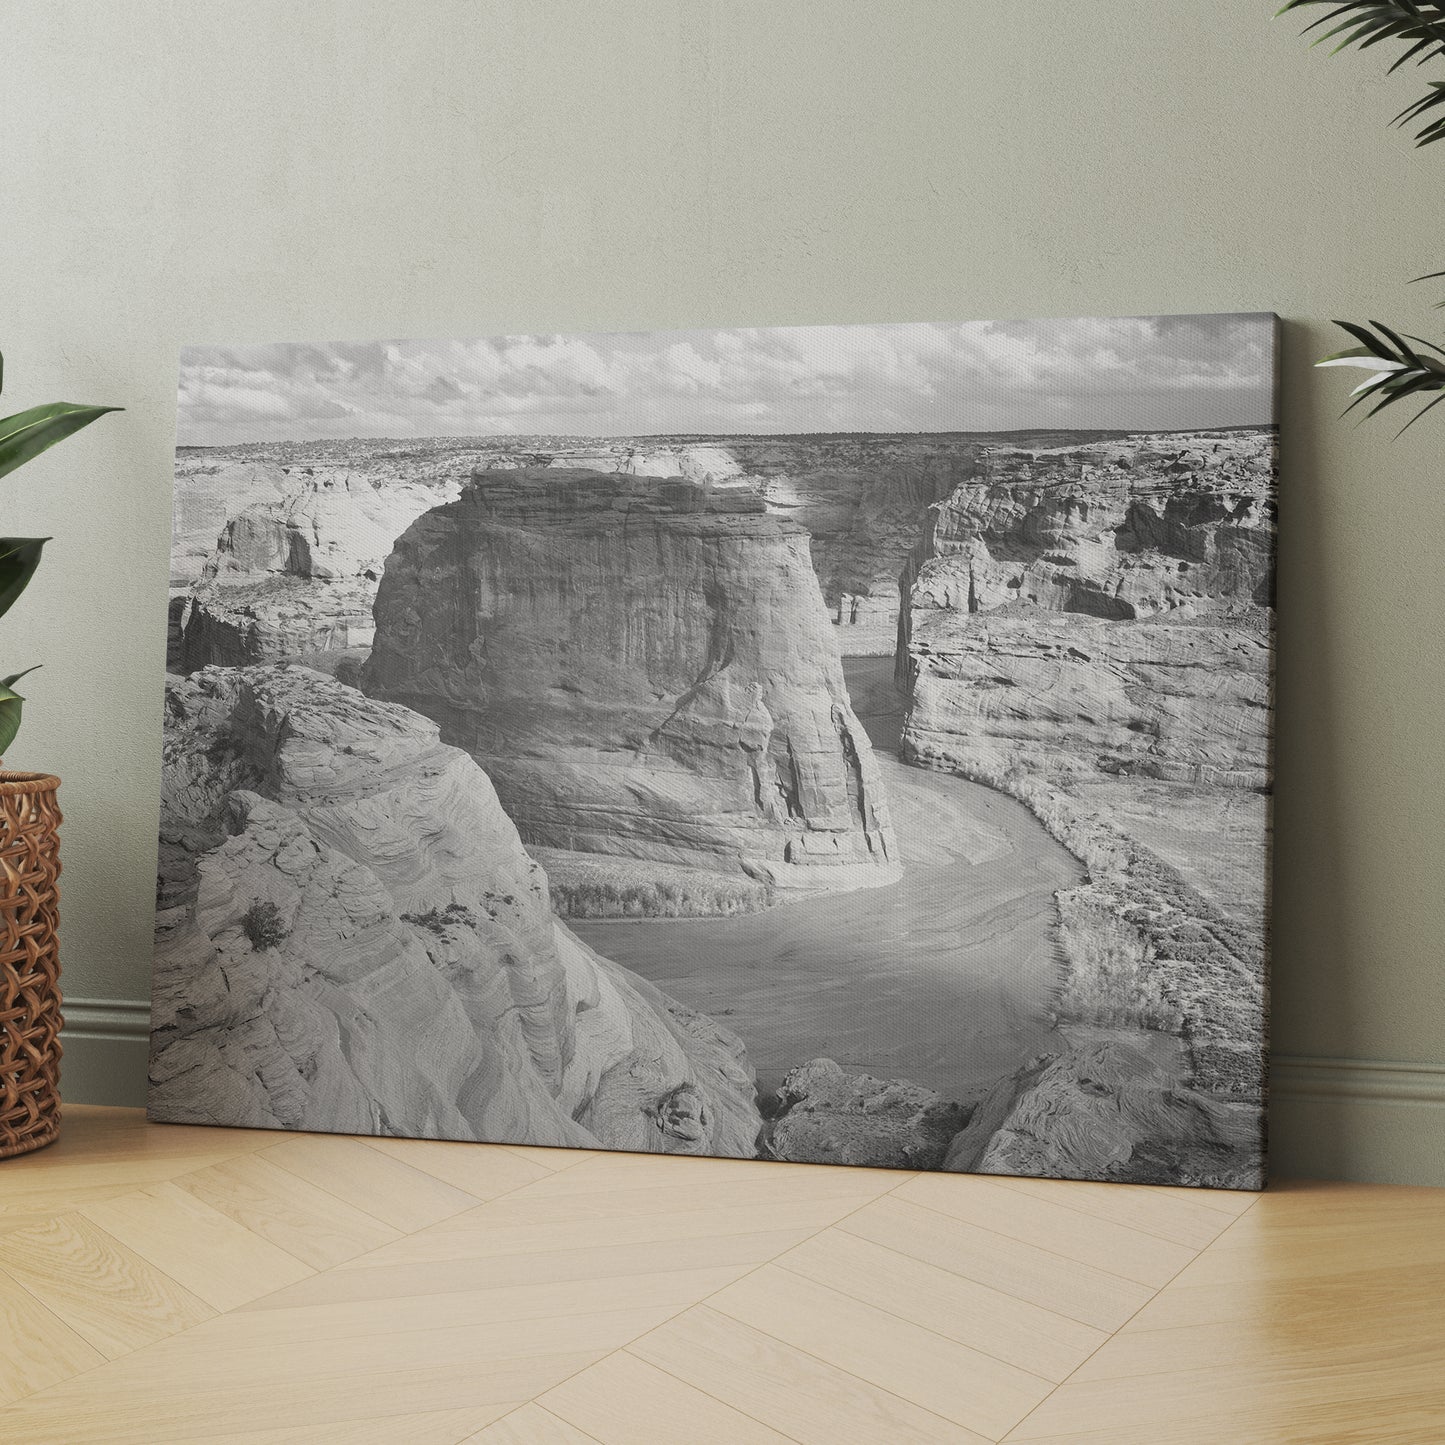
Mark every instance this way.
x=260 y=170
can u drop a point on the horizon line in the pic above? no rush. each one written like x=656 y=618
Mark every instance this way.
x=516 y=438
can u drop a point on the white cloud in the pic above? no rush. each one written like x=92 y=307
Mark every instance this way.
x=1149 y=372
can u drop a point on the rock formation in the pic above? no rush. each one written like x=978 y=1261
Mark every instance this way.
x=1117 y=529
x=1185 y=702
x=705 y=463
x=293 y=576
x=646 y=671
x=858 y=497
x=266 y=591
x=1109 y=602
x=207 y=495
x=1089 y=627
x=828 y=1116
x=350 y=937
x=1111 y=1108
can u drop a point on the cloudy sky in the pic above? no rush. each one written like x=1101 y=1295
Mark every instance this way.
x=1134 y=372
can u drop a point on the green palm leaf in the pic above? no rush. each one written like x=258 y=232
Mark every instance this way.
x=1418 y=24
x=1398 y=370
x=19 y=557
x=28 y=433
x=11 y=704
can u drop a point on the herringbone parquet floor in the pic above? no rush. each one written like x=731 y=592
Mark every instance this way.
x=167 y=1284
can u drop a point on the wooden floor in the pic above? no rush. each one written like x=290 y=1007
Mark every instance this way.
x=160 y=1283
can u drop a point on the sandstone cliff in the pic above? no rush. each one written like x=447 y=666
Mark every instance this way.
x=350 y=937
x=1090 y=629
x=207 y=495
x=646 y=670
x=1108 y=603
x=693 y=462
x=859 y=498
x=293 y=576
x=1185 y=702
x=1115 y=529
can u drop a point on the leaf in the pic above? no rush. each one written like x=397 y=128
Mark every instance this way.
x=1358 y=356
x=11 y=704
x=19 y=557
x=28 y=433
x=1370 y=343
x=1405 y=353
x=1397 y=371
x=1418 y=415
x=1370 y=384
x=1429 y=360
x=1418 y=24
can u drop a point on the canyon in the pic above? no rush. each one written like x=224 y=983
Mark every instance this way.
x=350 y=937
x=858 y=497
x=937 y=767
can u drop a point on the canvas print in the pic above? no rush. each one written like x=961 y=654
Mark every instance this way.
x=831 y=744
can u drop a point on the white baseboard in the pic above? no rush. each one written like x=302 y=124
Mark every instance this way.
x=1359 y=1119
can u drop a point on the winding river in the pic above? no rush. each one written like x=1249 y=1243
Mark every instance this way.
x=946 y=977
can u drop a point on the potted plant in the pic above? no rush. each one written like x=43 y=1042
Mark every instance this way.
x=29 y=845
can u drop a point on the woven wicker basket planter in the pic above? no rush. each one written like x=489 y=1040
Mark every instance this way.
x=29 y=962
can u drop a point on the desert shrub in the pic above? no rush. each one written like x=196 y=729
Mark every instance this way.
x=228 y=745
x=1114 y=978
x=615 y=897
x=263 y=926
x=438 y=920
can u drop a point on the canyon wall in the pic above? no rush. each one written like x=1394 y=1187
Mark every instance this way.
x=292 y=576
x=858 y=497
x=207 y=495
x=646 y=670
x=1090 y=628
x=253 y=524
x=1108 y=604
x=350 y=937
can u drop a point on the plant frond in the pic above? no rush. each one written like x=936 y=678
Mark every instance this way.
x=1417 y=24
x=1420 y=340
x=1418 y=415
x=1405 y=353
x=1397 y=370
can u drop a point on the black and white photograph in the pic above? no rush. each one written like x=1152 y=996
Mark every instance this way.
x=837 y=744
